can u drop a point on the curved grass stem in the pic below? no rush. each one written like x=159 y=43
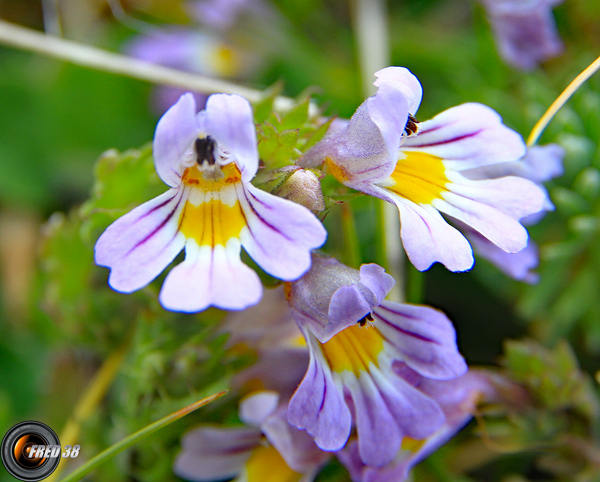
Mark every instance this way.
x=90 y=400
x=136 y=437
x=561 y=100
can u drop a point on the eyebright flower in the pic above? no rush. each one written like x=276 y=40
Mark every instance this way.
x=190 y=50
x=371 y=352
x=267 y=448
x=525 y=30
x=457 y=398
x=540 y=164
x=212 y=209
x=385 y=152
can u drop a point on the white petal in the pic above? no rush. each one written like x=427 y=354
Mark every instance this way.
x=428 y=238
x=211 y=277
x=280 y=233
x=175 y=134
x=467 y=136
x=404 y=80
x=229 y=120
x=141 y=244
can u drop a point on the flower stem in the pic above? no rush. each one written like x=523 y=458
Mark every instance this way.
x=95 y=58
x=561 y=100
x=415 y=285
x=351 y=245
x=136 y=437
x=372 y=40
x=90 y=399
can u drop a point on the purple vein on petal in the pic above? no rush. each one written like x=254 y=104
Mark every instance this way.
x=158 y=228
x=260 y=217
x=164 y=203
x=368 y=170
x=408 y=333
x=447 y=141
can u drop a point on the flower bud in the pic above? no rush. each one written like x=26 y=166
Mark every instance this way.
x=303 y=187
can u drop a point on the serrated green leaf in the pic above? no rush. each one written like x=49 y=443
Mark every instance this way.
x=296 y=116
x=264 y=107
x=288 y=138
x=317 y=135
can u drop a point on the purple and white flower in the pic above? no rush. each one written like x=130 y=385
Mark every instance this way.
x=267 y=448
x=525 y=30
x=212 y=210
x=540 y=164
x=366 y=357
x=419 y=167
x=457 y=398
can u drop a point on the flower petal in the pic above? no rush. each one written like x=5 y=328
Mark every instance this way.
x=211 y=277
x=318 y=406
x=256 y=408
x=228 y=119
x=280 y=233
x=360 y=472
x=428 y=238
x=215 y=453
x=518 y=265
x=377 y=280
x=388 y=110
x=347 y=306
x=367 y=148
x=404 y=80
x=424 y=336
x=379 y=436
x=540 y=164
x=388 y=409
x=175 y=133
x=493 y=207
x=525 y=31
x=467 y=136
x=142 y=243
x=514 y=196
x=295 y=446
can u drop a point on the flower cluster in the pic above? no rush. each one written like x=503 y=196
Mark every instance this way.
x=377 y=384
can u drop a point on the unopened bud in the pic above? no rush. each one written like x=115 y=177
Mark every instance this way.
x=303 y=187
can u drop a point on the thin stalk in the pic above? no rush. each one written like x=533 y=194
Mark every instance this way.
x=372 y=39
x=351 y=245
x=373 y=49
x=395 y=260
x=415 y=285
x=86 y=56
x=136 y=437
x=90 y=400
x=51 y=14
x=561 y=100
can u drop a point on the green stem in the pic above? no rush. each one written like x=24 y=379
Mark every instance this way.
x=95 y=58
x=351 y=245
x=415 y=285
x=136 y=437
x=90 y=399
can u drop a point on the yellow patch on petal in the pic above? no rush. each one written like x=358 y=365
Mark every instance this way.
x=192 y=176
x=266 y=465
x=412 y=444
x=418 y=177
x=219 y=217
x=226 y=61
x=339 y=172
x=353 y=349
